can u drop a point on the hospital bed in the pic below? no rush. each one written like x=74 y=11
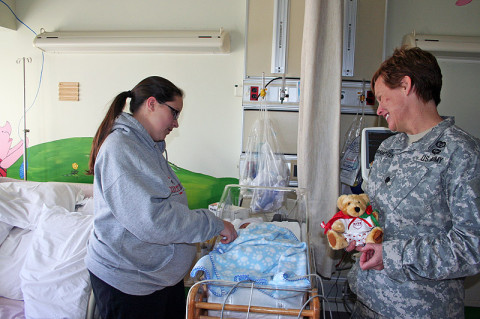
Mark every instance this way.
x=266 y=271
x=44 y=228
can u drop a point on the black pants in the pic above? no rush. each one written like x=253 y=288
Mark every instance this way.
x=168 y=303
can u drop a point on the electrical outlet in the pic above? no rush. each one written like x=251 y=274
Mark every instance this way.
x=254 y=93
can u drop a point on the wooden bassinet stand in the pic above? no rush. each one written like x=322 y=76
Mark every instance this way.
x=198 y=306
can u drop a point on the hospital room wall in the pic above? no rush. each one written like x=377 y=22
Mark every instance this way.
x=209 y=137
x=460 y=94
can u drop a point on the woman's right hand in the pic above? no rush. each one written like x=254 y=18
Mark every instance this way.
x=228 y=233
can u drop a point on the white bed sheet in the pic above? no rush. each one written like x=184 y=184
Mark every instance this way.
x=55 y=282
x=60 y=234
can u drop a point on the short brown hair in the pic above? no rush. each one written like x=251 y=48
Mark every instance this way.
x=422 y=68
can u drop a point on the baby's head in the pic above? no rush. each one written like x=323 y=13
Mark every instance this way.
x=244 y=223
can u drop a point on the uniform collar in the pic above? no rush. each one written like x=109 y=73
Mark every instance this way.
x=400 y=141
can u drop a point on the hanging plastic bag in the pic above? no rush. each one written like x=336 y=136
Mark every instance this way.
x=350 y=156
x=350 y=163
x=264 y=165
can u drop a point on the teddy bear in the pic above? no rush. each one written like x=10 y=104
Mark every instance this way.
x=355 y=221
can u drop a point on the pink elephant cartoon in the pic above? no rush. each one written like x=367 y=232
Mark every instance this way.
x=8 y=155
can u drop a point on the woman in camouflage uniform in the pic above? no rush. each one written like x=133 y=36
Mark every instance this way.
x=425 y=182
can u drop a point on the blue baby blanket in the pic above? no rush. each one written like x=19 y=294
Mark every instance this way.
x=264 y=254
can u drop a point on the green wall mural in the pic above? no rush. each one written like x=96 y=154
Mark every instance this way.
x=66 y=160
x=58 y=161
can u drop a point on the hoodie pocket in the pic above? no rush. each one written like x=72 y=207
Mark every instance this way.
x=144 y=256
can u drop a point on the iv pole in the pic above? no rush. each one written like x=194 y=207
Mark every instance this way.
x=25 y=130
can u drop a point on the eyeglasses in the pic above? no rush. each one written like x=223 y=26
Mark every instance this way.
x=175 y=113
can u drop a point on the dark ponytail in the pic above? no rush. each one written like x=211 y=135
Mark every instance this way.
x=162 y=89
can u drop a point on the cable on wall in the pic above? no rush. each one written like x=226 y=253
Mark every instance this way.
x=25 y=109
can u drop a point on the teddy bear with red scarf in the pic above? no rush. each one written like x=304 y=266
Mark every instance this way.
x=356 y=221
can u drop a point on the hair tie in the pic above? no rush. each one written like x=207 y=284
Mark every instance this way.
x=129 y=94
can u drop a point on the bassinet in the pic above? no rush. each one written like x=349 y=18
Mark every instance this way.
x=259 y=295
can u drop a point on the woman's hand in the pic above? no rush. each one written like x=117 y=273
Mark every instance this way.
x=228 y=233
x=371 y=257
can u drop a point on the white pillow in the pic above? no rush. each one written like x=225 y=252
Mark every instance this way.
x=54 y=279
x=12 y=256
x=21 y=202
x=4 y=230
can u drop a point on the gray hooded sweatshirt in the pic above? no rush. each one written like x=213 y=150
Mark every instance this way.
x=144 y=232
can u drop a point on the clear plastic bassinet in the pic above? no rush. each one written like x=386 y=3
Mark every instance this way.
x=247 y=207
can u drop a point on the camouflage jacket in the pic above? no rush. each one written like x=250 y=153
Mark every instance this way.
x=428 y=198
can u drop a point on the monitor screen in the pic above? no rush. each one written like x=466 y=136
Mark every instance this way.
x=372 y=137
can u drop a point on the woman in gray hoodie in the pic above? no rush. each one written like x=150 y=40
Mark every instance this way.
x=142 y=244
